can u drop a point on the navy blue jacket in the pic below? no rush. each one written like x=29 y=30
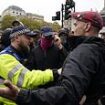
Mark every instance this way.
x=52 y=58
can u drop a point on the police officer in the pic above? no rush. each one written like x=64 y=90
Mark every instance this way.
x=14 y=56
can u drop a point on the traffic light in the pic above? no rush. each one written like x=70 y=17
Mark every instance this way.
x=57 y=17
x=53 y=18
x=67 y=14
x=68 y=5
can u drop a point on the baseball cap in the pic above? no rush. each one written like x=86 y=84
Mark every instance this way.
x=47 y=31
x=19 y=30
x=90 y=16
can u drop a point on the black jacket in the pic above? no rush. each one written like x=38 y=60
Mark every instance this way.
x=83 y=73
x=53 y=58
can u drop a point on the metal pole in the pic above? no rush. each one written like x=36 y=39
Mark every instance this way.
x=62 y=8
x=104 y=3
x=74 y=6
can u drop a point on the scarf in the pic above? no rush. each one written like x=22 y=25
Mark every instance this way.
x=45 y=43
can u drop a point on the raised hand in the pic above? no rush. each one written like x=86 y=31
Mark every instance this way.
x=57 y=42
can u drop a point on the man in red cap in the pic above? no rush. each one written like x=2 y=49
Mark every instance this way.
x=83 y=71
x=90 y=20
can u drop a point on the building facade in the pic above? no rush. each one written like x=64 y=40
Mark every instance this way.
x=19 y=12
x=14 y=11
x=35 y=16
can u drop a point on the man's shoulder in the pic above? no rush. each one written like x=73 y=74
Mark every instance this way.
x=7 y=50
x=7 y=53
x=7 y=56
x=93 y=42
x=87 y=49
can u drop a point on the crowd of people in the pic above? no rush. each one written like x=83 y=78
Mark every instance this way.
x=40 y=67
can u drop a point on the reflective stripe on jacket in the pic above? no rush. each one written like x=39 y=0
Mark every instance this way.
x=13 y=70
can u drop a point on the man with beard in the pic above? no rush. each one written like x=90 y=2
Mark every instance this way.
x=12 y=58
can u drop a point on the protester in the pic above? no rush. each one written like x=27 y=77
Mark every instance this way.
x=37 y=37
x=83 y=71
x=68 y=40
x=14 y=56
x=5 y=38
x=64 y=34
x=47 y=54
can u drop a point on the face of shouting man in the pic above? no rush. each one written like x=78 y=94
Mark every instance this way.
x=87 y=23
x=81 y=27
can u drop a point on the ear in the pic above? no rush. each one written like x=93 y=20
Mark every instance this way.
x=17 y=38
x=87 y=27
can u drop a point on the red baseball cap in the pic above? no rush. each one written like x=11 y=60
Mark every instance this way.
x=89 y=16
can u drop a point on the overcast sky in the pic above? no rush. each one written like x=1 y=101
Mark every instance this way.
x=47 y=8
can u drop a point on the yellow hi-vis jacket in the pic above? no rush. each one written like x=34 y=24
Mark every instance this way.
x=13 y=70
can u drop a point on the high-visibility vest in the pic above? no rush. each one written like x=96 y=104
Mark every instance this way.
x=10 y=50
x=13 y=70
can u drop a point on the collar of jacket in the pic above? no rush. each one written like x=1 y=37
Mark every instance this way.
x=74 y=41
x=12 y=51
